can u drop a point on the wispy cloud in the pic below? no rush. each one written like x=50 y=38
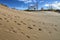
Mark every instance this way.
x=27 y=1
x=41 y=1
x=55 y=5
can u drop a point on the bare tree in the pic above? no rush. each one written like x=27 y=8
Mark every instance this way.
x=36 y=4
x=33 y=7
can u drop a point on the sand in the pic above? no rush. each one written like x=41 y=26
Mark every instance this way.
x=23 y=25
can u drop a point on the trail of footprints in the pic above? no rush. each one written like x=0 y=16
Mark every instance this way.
x=28 y=28
x=39 y=29
x=22 y=32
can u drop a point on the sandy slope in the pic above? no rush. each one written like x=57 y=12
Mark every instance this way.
x=21 y=25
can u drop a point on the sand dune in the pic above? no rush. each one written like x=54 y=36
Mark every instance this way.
x=22 y=25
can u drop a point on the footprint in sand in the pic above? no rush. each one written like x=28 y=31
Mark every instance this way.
x=7 y=20
x=0 y=18
x=23 y=22
x=55 y=29
x=40 y=29
x=55 y=25
x=34 y=25
x=12 y=28
x=50 y=32
x=14 y=31
x=15 y=21
x=30 y=27
x=18 y=24
x=27 y=36
x=22 y=33
x=43 y=23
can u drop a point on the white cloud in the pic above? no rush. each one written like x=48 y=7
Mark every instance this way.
x=30 y=1
x=27 y=1
x=41 y=1
x=55 y=5
x=46 y=5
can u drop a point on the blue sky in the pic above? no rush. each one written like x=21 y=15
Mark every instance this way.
x=23 y=4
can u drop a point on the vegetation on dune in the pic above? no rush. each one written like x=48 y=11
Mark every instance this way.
x=42 y=9
x=4 y=5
